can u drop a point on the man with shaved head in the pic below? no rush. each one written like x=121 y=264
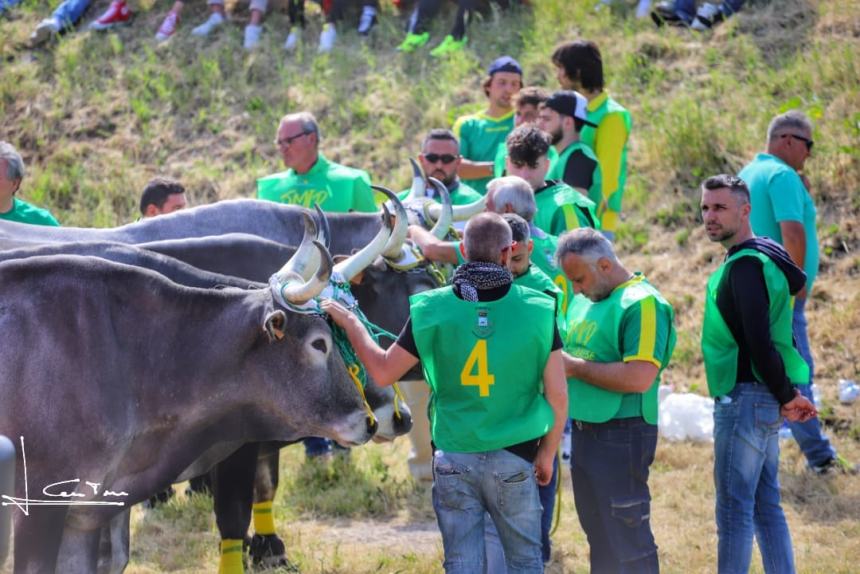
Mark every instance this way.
x=311 y=177
x=620 y=337
x=492 y=358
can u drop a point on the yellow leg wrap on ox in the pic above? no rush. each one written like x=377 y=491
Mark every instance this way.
x=264 y=521
x=231 y=557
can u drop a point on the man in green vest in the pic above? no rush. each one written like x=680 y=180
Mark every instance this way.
x=619 y=339
x=579 y=66
x=560 y=208
x=751 y=363
x=11 y=174
x=491 y=355
x=440 y=158
x=311 y=178
x=480 y=134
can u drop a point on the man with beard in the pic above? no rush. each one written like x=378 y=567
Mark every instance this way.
x=562 y=116
x=480 y=134
x=751 y=363
x=440 y=158
x=619 y=339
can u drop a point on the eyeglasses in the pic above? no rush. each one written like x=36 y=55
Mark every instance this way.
x=284 y=142
x=809 y=143
x=444 y=158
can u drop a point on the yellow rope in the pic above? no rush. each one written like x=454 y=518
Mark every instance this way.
x=353 y=371
x=398 y=397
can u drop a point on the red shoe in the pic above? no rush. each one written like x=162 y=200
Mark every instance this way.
x=168 y=27
x=117 y=14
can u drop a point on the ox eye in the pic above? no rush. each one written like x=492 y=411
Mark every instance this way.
x=320 y=345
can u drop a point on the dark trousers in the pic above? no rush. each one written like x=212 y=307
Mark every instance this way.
x=609 y=469
x=426 y=10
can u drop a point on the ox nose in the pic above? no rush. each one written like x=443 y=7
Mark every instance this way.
x=403 y=423
x=372 y=426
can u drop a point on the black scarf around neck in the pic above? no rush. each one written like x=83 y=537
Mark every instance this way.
x=479 y=276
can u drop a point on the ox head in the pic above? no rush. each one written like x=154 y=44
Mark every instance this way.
x=332 y=405
x=425 y=211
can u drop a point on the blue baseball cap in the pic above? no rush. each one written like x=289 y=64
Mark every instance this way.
x=505 y=64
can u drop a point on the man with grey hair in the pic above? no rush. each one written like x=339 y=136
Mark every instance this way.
x=11 y=174
x=619 y=339
x=783 y=209
x=492 y=356
x=311 y=178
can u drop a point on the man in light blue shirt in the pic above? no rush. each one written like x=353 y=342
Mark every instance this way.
x=782 y=209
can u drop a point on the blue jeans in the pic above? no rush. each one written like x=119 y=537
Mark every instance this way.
x=469 y=486
x=70 y=11
x=495 y=554
x=815 y=445
x=316 y=446
x=609 y=468
x=746 y=462
x=686 y=9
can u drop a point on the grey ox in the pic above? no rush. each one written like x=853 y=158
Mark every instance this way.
x=119 y=379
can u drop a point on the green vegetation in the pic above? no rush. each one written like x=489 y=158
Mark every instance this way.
x=97 y=115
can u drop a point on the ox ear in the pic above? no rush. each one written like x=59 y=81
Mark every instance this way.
x=356 y=280
x=274 y=325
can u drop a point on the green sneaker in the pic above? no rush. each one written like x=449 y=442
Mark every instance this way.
x=413 y=42
x=448 y=46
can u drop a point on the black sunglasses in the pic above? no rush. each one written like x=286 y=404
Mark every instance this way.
x=809 y=143
x=444 y=158
x=290 y=139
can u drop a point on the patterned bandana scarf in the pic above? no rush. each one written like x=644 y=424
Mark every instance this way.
x=479 y=276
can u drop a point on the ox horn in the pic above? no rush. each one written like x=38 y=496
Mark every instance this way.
x=419 y=185
x=357 y=262
x=446 y=215
x=461 y=212
x=401 y=224
x=324 y=233
x=300 y=293
x=304 y=261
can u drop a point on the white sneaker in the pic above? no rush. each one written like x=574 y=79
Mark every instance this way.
x=252 y=36
x=706 y=17
x=293 y=39
x=214 y=21
x=47 y=29
x=643 y=9
x=328 y=36
x=367 y=20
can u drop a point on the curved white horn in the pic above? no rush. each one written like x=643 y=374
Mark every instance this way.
x=300 y=293
x=419 y=186
x=446 y=215
x=401 y=224
x=356 y=263
x=324 y=233
x=304 y=261
x=461 y=212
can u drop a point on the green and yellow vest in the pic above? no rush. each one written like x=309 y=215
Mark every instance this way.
x=556 y=170
x=719 y=348
x=561 y=208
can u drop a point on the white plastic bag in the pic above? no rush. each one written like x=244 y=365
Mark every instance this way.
x=687 y=416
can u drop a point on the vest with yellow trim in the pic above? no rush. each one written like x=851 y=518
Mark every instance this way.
x=556 y=170
x=536 y=279
x=484 y=363
x=543 y=256
x=719 y=347
x=578 y=210
x=594 y=334
x=588 y=136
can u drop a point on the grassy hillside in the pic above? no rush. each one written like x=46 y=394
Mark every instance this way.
x=97 y=115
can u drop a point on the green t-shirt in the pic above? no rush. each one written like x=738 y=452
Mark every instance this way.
x=500 y=168
x=336 y=188
x=557 y=170
x=633 y=323
x=561 y=208
x=23 y=212
x=719 y=347
x=777 y=194
x=480 y=136
x=462 y=194
x=484 y=363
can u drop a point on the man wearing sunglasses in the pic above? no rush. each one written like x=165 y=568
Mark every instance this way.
x=782 y=209
x=440 y=158
x=311 y=178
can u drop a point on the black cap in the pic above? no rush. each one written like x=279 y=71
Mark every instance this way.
x=570 y=103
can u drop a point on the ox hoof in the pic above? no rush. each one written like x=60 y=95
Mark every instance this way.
x=269 y=552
